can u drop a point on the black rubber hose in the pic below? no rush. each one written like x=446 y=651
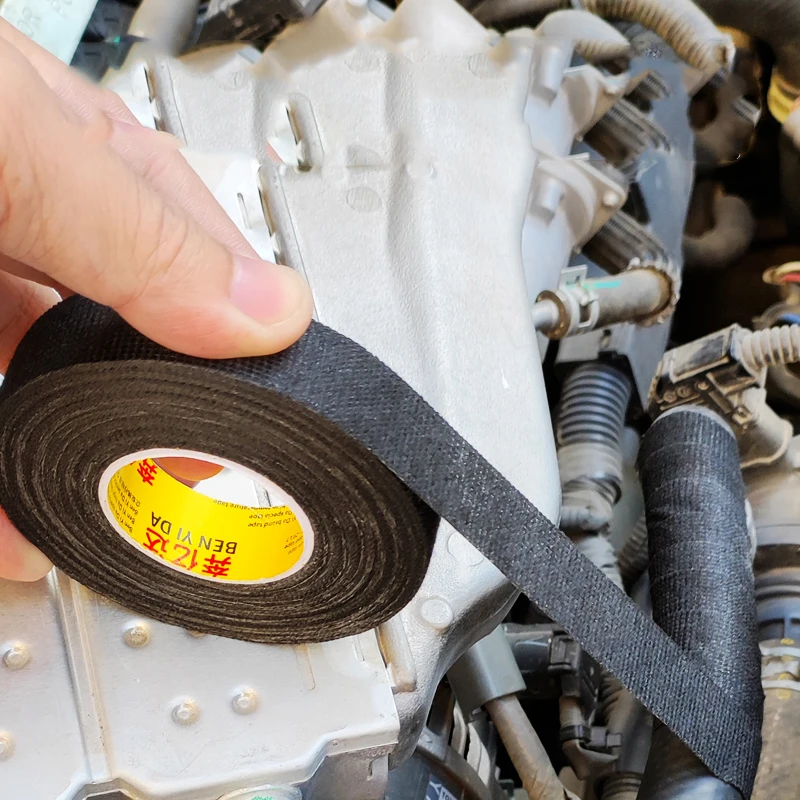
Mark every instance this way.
x=701 y=580
x=589 y=424
x=594 y=400
x=730 y=238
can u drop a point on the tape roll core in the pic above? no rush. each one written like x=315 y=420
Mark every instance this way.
x=233 y=526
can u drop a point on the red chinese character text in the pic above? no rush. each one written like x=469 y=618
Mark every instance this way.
x=180 y=560
x=217 y=567
x=156 y=542
x=147 y=471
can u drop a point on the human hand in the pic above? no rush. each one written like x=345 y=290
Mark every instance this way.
x=91 y=202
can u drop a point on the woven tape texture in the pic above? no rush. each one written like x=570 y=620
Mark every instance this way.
x=368 y=459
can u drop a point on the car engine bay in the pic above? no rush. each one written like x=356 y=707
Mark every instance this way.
x=573 y=227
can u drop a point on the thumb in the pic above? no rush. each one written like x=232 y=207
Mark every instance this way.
x=71 y=208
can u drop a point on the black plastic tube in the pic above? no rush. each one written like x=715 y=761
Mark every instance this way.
x=701 y=579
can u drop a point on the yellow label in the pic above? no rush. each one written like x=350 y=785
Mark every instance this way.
x=202 y=536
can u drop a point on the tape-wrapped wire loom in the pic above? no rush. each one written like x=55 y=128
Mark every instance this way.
x=372 y=464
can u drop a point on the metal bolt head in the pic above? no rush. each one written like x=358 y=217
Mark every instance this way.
x=17 y=656
x=186 y=712
x=6 y=745
x=611 y=199
x=245 y=701
x=137 y=635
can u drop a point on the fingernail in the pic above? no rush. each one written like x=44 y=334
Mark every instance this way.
x=19 y=559
x=35 y=565
x=268 y=293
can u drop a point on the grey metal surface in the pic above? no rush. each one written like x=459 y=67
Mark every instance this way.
x=160 y=713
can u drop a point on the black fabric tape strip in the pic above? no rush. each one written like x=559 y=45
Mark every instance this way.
x=84 y=389
x=701 y=576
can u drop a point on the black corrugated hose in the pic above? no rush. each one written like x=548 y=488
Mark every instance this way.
x=701 y=579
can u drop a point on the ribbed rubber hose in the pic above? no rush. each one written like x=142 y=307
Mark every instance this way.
x=595 y=40
x=701 y=579
x=777 y=22
x=622 y=787
x=680 y=23
x=594 y=400
x=772 y=346
x=634 y=556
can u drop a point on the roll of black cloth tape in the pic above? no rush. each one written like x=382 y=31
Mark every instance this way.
x=367 y=459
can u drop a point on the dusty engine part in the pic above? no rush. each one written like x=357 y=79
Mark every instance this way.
x=595 y=41
x=730 y=133
x=660 y=169
x=454 y=758
x=581 y=306
x=681 y=24
x=777 y=774
x=773 y=494
x=726 y=372
x=782 y=379
x=487 y=676
x=529 y=757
